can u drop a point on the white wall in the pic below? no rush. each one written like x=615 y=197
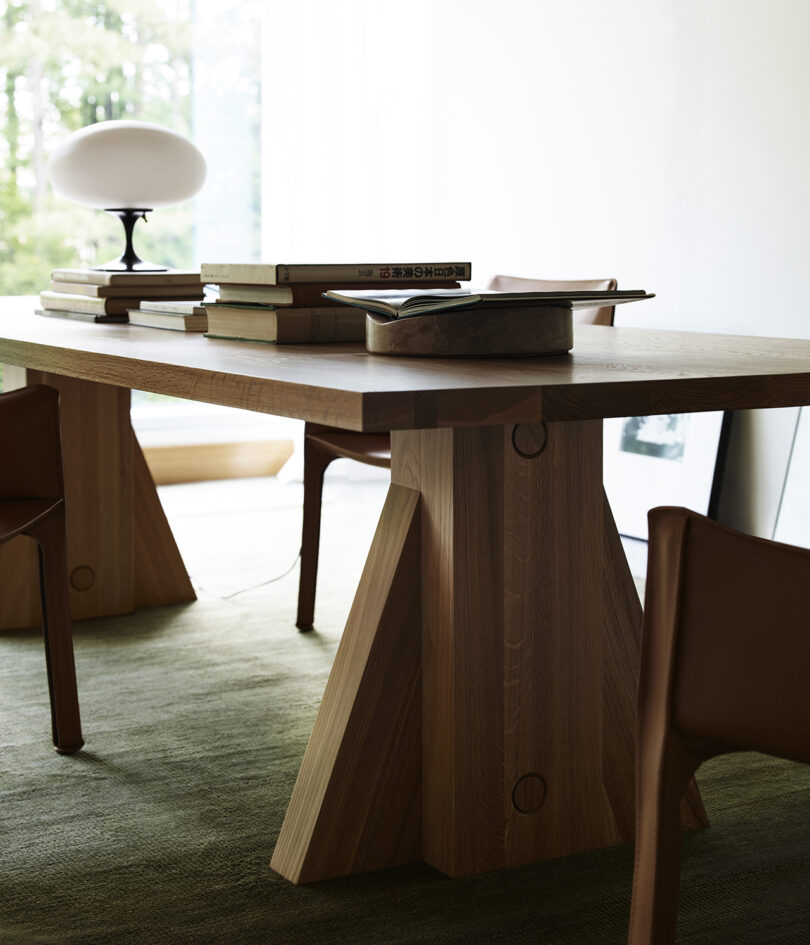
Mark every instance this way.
x=744 y=223
x=665 y=143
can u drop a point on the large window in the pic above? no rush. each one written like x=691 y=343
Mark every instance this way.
x=192 y=65
x=65 y=65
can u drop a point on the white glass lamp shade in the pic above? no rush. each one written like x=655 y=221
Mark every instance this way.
x=126 y=164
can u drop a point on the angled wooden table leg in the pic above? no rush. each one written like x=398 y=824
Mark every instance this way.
x=356 y=805
x=159 y=574
x=121 y=552
x=530 y=645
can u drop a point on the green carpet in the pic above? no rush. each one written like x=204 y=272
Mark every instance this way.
x=196 y=718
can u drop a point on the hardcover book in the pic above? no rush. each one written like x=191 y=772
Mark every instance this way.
x=120 y=319
x=61 y=301
x=174 y=321
x=305 y=294
x=173 y=306
x=344 y=273
x=141 y=291
x=286 y=325
x=101 y=277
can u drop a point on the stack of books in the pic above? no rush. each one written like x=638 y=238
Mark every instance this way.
x=284 y=304
x=99 y=296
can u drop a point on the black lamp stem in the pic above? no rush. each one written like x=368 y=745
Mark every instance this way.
x=129 y=261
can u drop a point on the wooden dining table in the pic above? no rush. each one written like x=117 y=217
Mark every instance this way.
x=480 y=710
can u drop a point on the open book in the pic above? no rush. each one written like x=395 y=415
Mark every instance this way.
x=405 y=304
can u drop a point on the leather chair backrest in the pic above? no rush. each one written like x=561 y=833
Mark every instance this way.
x=740 y=613
x=600 y=315
x=31 y=466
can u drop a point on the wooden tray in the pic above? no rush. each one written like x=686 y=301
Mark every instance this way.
x=472 y=333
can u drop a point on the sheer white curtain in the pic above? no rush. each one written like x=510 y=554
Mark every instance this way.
x=351 y=117
x=226 y=125
x=226 y=122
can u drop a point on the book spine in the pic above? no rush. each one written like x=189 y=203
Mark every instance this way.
x=233 y=293
x=328 y=327
x=305 y=294
x=288 y=325
x=177 y=307
x=151 y=279
x=376 y=274
x=365 y=274
x=82 y=316
x=78 y=288
x=247 y=274
x=222 y=335
x=73 y=303
x=292 y=313
x=83 y=303
x=157 y=293
x=84 y=276
x=172 y=322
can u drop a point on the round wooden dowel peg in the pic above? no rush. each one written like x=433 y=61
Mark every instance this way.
x=82 y=578
x=529 y=793
x=529 y=439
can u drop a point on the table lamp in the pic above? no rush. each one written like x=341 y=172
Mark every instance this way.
x=128 y=168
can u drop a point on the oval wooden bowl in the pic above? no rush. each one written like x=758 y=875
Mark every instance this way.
x=471 y=333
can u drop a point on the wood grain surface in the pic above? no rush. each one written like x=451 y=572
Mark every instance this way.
x=517 y=332
x=194 y=462
x=121 y=552
x=530 y=643
x=97 y=461
x=356 y=805
x=159 y=574
x=610 y=372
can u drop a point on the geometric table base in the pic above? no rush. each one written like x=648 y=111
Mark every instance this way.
x=121 y=552
x=526 y=672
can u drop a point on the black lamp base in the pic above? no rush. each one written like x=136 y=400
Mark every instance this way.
x=129 y=261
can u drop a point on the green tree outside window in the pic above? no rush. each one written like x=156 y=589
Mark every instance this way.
x=65 y=64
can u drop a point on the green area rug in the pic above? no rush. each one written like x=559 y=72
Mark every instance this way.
x=196 y=719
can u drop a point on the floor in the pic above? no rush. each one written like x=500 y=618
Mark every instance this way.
x=255 y=524
x=196 y=717
x=237 y=535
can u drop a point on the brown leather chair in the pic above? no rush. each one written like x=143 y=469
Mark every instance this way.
x=324 y=444
x=585 y=316
x=724 y=665
x=32 y=502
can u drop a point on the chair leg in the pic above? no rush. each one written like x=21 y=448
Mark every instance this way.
x=66 y=724
x=316 y=460
x=662 y=777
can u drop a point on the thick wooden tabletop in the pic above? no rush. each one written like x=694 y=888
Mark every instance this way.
x=610 y=372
